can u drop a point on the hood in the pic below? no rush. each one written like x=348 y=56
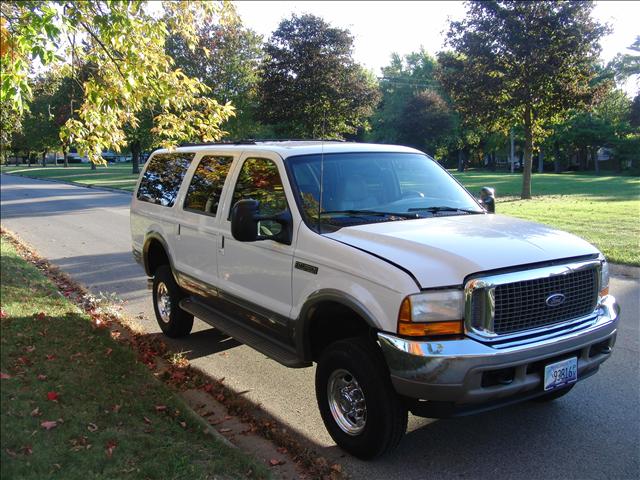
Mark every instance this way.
x=442 y=251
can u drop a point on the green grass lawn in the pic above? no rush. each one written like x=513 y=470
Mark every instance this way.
x=76 y=404
x=605 y=210
x=114 y=175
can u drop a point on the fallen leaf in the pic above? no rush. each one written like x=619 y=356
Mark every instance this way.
x=208 y=387
x=10 y=452
x=51 y=357
x=108 y=352
x=146 y=420
x=110 y=447
x=24 y=360
x=53 y=396
x=5 y=376
x=36 y=412
x=3 y=314
x=336 y=467
x=116 y=408
x=49 y=424
x=183 y=424
x=275 y=462
x=92 y=427
x=30 y=349
x=27 y=450
x=41 y=376
x=161 y=408
x=41 y=316
x=225 y=430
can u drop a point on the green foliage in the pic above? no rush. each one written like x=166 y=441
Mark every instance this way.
x=521 y=62
x=226 y=58
x=310 y=85
x=403 y=78
x=628 y=64
x=129 y=70
x=426 y=121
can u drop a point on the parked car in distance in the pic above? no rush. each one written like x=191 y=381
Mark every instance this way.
x=376 y=264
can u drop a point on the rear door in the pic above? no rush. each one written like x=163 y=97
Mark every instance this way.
x=198 y=227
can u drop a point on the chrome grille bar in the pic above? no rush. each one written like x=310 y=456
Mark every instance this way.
x=514 y=304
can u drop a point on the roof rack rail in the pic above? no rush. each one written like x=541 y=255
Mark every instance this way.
x=253 y=141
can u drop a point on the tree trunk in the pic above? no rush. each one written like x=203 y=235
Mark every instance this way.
x=460 y=161
x=93 y=165
x=17 y=160
x=66 y=158
x=135 y=157
x=44 y=158
x=512 y=153
x=596 y=163
x=528 y=150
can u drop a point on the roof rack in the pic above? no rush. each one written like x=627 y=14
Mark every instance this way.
x=252 y=141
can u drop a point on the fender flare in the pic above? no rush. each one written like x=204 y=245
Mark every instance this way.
x=302 y=327
x=151 y=236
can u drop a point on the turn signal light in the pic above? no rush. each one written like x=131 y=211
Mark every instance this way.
x=604 y=292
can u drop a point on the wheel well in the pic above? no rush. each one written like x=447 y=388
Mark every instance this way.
x=331 y=321
x=156 y=256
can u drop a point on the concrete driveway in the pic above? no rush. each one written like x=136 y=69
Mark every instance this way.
x=592 y=433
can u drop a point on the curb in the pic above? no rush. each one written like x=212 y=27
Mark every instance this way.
x=625 y=270
x=65 y=182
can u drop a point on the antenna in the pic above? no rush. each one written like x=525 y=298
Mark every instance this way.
x=324 y=118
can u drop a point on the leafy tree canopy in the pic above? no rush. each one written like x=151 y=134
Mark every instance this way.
x=310 y=86
x=522 y=62
x=226 y=59
x=124 y=46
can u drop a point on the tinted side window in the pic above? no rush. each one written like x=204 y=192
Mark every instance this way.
x=206 y=185
x=259 y=180
x=162 y=178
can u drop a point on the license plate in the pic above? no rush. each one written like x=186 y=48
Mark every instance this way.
x=560 y=374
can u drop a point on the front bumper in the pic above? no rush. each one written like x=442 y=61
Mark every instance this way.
x=466 y=373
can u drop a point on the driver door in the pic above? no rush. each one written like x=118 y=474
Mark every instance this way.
x=257 y=275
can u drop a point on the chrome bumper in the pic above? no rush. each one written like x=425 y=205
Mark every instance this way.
x=457 y=370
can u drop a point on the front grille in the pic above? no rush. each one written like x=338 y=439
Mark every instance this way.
x=522 y=305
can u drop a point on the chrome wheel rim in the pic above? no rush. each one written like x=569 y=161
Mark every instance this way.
x=347 y=402
x=163 y=301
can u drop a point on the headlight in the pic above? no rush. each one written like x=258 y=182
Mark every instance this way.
x=604 y=276
x=438 y=312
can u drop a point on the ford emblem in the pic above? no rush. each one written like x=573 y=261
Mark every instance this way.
x=555 y=299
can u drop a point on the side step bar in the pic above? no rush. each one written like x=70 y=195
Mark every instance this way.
x=275 y=350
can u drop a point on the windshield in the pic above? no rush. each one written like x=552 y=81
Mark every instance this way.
x=344 y=189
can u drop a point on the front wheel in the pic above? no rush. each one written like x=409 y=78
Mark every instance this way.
x=174 y=322
x=358 y=404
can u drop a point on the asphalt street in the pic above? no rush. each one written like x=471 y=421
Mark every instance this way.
x=592 y=433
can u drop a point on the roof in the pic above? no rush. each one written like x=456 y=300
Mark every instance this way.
x=291 y=148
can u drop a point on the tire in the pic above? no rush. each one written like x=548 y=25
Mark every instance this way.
x=173 y=321
x=356 y=364
x=550 y=397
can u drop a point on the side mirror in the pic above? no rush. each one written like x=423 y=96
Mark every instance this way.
x=488 y=199
x=245 y=220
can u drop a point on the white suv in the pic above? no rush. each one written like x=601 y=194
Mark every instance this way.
x=374 y=262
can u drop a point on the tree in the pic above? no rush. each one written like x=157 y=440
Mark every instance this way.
x=403 y=78
x=226 y=59
x=130 y=70
x=426 y=121
x=309 y=84
x=628 y=64
x=522 y=62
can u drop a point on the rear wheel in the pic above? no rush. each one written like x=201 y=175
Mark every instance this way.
x=358 y=404
x=174 y=322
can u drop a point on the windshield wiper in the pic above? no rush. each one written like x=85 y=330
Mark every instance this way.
x=443 y=209
x=370 y=213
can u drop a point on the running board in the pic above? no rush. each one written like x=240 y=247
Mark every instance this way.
x=241 y=333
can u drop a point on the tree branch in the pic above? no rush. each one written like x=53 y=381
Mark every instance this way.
x=104 y=48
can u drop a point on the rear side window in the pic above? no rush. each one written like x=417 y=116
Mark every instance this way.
x=206 y=185
x=163 y=177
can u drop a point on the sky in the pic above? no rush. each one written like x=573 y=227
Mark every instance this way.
x=383 y=27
